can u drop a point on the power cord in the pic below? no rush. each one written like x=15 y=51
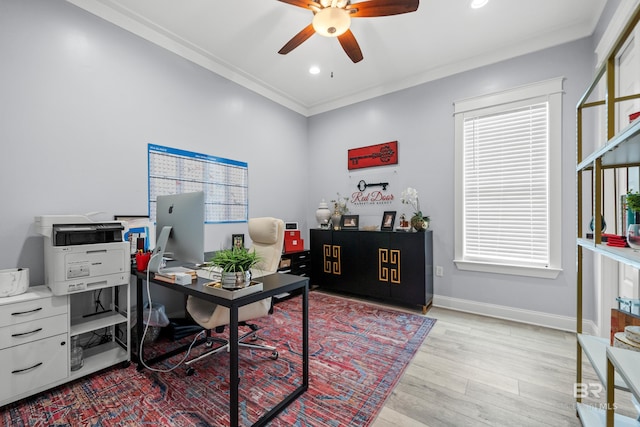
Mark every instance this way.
x=98 y=302
x=146 y=327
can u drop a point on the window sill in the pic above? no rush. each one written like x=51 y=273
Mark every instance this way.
x=544 y=273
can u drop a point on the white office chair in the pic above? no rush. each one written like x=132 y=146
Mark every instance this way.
x=267 y=236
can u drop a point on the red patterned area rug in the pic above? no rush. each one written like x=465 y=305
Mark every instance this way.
x=358 y=352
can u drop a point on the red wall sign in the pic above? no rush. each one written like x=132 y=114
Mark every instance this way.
x=373 y=155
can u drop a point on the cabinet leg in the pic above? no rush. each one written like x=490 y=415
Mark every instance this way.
x=425 y=308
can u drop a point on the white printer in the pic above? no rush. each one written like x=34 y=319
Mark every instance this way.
x=81 y=255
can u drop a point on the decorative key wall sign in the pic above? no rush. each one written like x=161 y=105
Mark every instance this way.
x=373 y=155
x=373 y=191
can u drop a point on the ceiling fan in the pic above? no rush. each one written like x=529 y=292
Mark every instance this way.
x=332 y=18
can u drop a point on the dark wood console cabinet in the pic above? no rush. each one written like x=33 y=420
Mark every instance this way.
x=391 y=266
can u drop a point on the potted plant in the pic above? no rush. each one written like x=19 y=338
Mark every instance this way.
x=236 y=266
x=633 y=231
x=633 y=201
x=419 y=221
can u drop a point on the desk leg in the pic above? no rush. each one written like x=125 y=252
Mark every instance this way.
x=233 y=374
x=139 y=327
x=305 y=337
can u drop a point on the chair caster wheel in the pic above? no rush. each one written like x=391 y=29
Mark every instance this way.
x=254 y=337
x=190 y=371
x=208 y=344
x=274 y=355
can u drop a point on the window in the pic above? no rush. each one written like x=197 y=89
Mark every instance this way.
x=508 y=182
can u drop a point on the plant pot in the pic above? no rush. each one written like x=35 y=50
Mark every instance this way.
x=418 y=223
x=235 y=279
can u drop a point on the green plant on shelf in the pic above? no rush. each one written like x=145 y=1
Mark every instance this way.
x=633 y=201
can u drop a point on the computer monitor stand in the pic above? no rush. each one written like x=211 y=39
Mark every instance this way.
x=161 y=244
x=180 y=327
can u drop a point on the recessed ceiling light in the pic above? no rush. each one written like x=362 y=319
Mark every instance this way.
x=477 y=4
x=314 y=70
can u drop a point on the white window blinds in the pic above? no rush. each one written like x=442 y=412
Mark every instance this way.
x=506 y=186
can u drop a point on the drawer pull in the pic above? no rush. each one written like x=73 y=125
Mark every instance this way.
x=26 y=333
x=18 y=371
x=21 y=313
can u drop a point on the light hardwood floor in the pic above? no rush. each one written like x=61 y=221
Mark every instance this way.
x=480 y=371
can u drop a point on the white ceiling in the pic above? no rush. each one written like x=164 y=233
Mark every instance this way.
x=239 y=39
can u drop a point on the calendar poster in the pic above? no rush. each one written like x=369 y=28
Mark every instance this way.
x=223 y=181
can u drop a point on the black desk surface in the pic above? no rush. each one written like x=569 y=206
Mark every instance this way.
x=272 y=284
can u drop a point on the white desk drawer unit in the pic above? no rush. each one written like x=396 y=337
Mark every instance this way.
x=34 y=343
x=35 y=331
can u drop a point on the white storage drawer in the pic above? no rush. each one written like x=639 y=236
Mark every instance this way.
x=26 y=311
x=36 y=364
x=26 y=332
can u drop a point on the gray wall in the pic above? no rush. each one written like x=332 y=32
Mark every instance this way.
x=80 y=99
x=421 y=119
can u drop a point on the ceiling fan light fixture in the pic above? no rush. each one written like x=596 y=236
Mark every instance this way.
x=339 y=3
x=331 y=22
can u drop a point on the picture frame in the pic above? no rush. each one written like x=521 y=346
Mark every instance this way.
x=237 y=241
x=388 y=220
x=350 y=222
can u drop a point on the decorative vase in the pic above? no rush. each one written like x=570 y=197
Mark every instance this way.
x=323 y=214
x=419 y=223
x=603 y=224
x=235 y=279
x=335 y=220
x=633 y=236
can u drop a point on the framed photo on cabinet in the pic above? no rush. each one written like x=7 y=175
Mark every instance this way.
x=350 y=222
x=388 y=220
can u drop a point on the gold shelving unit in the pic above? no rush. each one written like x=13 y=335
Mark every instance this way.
x=622 y=151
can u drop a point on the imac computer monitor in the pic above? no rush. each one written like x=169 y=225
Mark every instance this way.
x=179 y=229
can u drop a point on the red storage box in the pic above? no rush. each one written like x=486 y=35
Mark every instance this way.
x=293 y=245
x=292 y=234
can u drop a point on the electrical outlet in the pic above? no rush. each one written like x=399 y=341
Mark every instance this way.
x=439 y=271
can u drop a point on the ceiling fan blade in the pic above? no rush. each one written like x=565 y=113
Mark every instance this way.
x=350 y=46
x=298 y=39
x=300 y=3
x=372 y=8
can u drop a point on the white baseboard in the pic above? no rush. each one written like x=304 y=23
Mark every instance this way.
x=564 y=323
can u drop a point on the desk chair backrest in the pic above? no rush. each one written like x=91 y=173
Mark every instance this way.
x=267 y=237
